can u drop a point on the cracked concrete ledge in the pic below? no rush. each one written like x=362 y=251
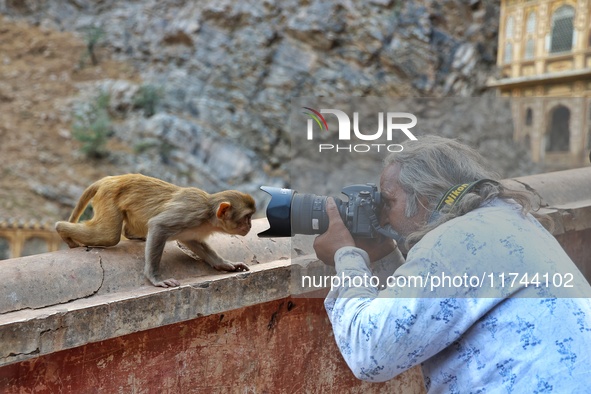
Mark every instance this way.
x=564 y=195
x=70 y=298
x=66 y=299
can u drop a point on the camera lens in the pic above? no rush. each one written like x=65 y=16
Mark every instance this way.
x=291 y=213
x=278 y=212
x=308 y=214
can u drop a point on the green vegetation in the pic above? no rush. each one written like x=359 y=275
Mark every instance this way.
x=147 y=98
x=92 y=127
x=163 y=148
x=92 y=35
x=87 y=214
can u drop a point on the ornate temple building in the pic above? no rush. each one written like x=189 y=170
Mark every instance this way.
x=20 y=238
x=544 y=57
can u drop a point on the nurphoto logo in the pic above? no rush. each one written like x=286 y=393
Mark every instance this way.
x=396 y=122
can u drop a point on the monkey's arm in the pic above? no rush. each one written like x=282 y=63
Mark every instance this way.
x=155 y=243
x=204 y=252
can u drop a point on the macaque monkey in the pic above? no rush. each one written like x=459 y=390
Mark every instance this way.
x=156 y=211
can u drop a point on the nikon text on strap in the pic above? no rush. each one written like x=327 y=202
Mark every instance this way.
x=456 y=192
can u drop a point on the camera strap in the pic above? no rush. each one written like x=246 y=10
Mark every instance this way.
x=456 y=192
x=449 y=199
x=387 y=232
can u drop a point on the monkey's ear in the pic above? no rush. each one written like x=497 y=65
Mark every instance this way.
x=223 y=209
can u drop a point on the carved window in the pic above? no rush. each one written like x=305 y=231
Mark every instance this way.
x=529 y=117
x=35 y=245
x=530 y=49
x=509 y=27
x=508 y=53
x=558 y=132
x=562 y=29
x=4 y=249
x=530 y=26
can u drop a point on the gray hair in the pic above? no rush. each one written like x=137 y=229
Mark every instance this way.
x=431 y=165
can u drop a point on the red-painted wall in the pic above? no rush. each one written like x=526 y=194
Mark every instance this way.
x=283 y=346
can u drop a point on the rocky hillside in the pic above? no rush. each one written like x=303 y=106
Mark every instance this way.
x=224 y=71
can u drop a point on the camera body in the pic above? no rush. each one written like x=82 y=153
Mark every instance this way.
x=291 y=213
x=364 y=200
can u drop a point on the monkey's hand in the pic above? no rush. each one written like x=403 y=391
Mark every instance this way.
x=201 y=250
x=161 y=283
x=226 y=265
x=167 y=283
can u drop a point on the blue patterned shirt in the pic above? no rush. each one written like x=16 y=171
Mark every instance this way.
x=493 y=327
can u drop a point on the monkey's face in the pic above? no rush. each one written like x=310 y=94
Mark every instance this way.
x=237 y=225
x=243 y=225
x=235 y=215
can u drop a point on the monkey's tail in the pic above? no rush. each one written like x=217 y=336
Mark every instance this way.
x=87 y=195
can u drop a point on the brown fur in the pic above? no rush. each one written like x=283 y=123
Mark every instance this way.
x=148 y=208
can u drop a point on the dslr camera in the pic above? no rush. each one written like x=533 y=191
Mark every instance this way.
x=291 y=213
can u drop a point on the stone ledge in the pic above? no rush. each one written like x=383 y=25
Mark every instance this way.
x=66 y=299
x=564 y=195
x=559 y=187
x=70 y=298
x=33 y=332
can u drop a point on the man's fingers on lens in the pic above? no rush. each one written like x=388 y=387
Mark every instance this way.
x=332 y=211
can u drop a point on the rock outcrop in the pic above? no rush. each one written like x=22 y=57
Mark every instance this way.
x=228 y=70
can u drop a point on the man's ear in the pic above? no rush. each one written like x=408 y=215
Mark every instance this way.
x=223 y=208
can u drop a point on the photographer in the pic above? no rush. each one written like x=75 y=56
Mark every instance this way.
x=490 y=335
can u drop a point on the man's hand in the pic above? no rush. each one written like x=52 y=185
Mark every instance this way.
x=336 y=237
x=376 y=248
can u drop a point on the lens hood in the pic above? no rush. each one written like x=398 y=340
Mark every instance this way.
x=278 y=212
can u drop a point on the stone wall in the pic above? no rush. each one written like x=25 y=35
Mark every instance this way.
x=229 y=69
x=86 y=321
